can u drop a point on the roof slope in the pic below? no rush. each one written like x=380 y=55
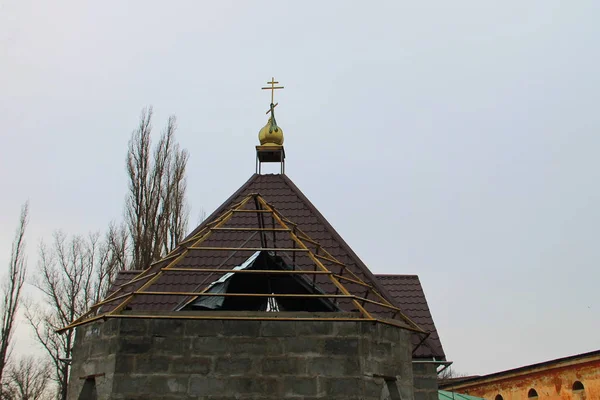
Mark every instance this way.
x=216 y=252
x=407 y=292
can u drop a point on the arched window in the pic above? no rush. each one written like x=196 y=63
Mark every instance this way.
x=577 y=386
x=498 y=397
x=532 y=394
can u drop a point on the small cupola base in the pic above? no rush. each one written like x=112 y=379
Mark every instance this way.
x=270 y=154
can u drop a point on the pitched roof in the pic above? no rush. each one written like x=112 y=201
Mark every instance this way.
x=291 y=208
x=445 y=395
x=573 y=360
x=407 y=292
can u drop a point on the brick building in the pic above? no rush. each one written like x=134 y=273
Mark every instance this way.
x=263 y=300
x=570 y=378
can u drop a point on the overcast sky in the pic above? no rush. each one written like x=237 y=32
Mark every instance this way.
x=454 y=140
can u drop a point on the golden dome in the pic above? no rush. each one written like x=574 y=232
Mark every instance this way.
x=271 y=134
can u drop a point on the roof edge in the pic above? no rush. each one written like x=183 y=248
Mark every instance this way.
x=595 y=355
x=340 y=240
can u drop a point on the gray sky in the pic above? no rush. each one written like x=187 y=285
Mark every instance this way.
x=454 y=140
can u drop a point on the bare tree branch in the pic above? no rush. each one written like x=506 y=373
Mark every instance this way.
x=11 y=289
x=156 y=209
x=28 y=379
x=74 y=273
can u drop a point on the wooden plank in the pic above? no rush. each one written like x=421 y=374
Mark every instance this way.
x=247 y=271
x=246 y=249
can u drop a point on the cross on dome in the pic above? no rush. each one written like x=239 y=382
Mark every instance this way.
x=272 y=88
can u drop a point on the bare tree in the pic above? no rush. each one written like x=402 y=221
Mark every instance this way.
x=156 y=209
x=448 y=375
x=12 y=286
x=74 y=273
x=28 y=379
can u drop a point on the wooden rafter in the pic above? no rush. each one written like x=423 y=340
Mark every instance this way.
x=301 y=242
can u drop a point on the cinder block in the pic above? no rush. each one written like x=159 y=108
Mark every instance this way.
x=369 y=329
x=254 y=346
x=305 y=346
x=152 y=364
x=299 y=386
x=191 y=365
x=427 y=383
x=241 y=328
x=166 y=327
x=245 y=385
x=389 y=333
x=103 y=347
x=82 y=349
x=168 y=346
x=124 y=363
x=423 y=368
x=285 y=365
x=133 y=327
x=315 y=328
x=209 y=345
x=278 y=328
x=341 y=346
x=381 y=350
x=203 y=327
x=130 y=384
x=206 y=385
x=425 y=395
x=340 y=387
x=135 y=345
x=231 y=366
x=166 y=385
x=401 y=350
x=110 y=327
x=346 y=328
x=333 y=366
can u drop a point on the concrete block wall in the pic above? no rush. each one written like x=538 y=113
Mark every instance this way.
x=425 y=381
x=235 y=359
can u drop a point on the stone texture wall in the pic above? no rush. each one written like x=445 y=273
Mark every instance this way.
x=235 y=359
x=425 y=381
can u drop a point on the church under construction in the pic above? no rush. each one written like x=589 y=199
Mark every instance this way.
x=263 y=300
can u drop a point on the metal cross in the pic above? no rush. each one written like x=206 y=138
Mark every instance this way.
x=272 y=88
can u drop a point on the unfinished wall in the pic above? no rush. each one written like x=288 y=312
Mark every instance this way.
x=425 y=381
x=226 y=359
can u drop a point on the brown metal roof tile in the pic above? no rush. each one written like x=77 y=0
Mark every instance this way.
x=281 y=193
x=409 y=296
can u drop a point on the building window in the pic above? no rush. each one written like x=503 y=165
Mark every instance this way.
x=498 y=397
x=577 y=386
x=532 y=394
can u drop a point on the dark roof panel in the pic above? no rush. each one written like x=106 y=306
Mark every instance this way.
x=408 y=295
x=281 y=193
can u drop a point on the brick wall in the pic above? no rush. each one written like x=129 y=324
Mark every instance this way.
x=234 y=359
